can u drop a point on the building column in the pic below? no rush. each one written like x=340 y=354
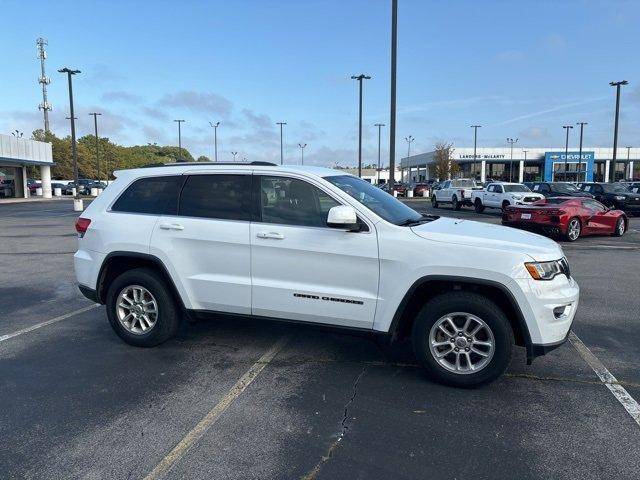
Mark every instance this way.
x=483 y=171
x=607 y=163
x=631 y=170
x=521 y=171
x=45 y=176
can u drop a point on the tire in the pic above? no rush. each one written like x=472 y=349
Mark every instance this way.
x=167 y=317
x=478 y=306
x=571 y=234
x=621 y=227
x=505 y=204
x=478 y=206
x=434 y=202
x=455 y=203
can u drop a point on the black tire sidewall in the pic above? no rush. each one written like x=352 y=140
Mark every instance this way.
x=168 y=315
x=434 y=202
x=617 y=227
x=477 y=305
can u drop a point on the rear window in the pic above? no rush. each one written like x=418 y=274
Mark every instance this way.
x=153 y=195
x=225 y=197
x=464 y=183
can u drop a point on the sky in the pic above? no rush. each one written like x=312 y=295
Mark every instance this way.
x=520 y=69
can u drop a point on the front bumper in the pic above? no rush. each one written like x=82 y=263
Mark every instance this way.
x=539 y=349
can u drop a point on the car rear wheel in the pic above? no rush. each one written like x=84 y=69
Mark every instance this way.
x=141 y=308
x=505 y=204
x=478 y=206
x=462 y=339
x=434 y=202
x=574 y=228
x=621 y=227
x=455 y=203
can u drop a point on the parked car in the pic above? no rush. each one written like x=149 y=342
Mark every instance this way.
x=634 y=187
x=7 y=187
x=558 y=189
x=503 y=194
x=614 y=195
x=419 y=189
x=456 y=192
x=33 y=187
x=149 y=249
x=399 y=187
x=569 y=217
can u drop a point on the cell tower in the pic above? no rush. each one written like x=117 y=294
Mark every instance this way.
x=45 y=106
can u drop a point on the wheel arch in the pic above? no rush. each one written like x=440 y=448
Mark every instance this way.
x=116 y=263
x=430 y=286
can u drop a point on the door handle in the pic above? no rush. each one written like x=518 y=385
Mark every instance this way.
x=171 y=226
x=270 y=235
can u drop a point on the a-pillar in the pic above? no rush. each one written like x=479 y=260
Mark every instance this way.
x=45 y=176
x=483 y=171
x=521 y=172
x=607 y=165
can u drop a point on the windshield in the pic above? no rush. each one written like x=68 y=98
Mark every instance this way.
x=614 y=188
x=374 y=199
x=516 y=188
x=564 y=187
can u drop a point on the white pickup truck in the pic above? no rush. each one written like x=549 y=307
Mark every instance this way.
x=456 y=192
x=502 y=194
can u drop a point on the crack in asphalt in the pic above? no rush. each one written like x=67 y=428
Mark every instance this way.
x=564 y=379
x=312 y=475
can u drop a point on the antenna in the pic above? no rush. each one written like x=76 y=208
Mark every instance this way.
x=45 y=106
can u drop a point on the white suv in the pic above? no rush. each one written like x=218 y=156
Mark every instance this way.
x=319 y=246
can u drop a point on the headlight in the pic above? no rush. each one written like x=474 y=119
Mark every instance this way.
x=545 y=270
x=620 y=197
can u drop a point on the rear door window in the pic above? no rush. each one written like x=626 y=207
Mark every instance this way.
x=151 y=196
x=223 y=196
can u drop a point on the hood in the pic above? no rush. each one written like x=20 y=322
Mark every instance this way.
x=486 y=235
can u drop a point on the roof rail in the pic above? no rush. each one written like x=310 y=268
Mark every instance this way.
x=178 y=164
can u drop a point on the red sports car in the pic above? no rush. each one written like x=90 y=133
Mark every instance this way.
x=570 y=217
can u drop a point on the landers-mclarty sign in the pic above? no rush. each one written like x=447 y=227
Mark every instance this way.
x=482 y=157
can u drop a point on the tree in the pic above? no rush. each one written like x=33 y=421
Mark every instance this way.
x=203 y=158
x=445 y=166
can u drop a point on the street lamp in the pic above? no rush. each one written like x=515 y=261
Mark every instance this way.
x=379 y=125
x=302 y=147
x=234 y=155
x=215 y=140
x=17 y=133
x=628 y=161
x=511 y=141
x=179 y=140
x=392 y=106
x=95 y=126
x=74 y=153
x=566 y=151
x=582 y=124
x=475 y=146
x=360 y=78
x=282 y=124
x=612 y=174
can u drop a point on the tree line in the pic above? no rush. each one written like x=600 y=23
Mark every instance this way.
x=112 y=156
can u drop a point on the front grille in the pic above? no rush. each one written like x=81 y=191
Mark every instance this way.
x=564 y=267
x=530 y=199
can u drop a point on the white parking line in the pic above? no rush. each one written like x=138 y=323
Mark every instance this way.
x=210 y=418
x=48 y=322
x=605 y=376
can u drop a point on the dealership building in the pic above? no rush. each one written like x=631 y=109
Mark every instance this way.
x=15 y=155
x=529 y=164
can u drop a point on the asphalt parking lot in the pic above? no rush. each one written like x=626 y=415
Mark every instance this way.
x=76 y=402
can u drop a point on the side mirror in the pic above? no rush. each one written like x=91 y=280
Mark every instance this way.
x=344 y=217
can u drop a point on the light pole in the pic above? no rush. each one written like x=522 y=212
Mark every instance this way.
x=234 y=155
x=511 y=141
x=95 y=126
x=475 y=146
x=179 y=140
x=282 y=124
x=360 y=78
x=628 y=162
x=392 y=109
x=302 y=146
x=524 y=165
x=582 y=124
x=409 y=140
x=379 y=125
x=566 y=151
x=74 y=153
x=612 y=174
x=215 y=140
x=17 y=133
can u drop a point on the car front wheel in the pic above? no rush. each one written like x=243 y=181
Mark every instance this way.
x=141 y=308
x=462 y=339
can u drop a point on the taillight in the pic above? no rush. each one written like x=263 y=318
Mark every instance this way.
x=82 y=224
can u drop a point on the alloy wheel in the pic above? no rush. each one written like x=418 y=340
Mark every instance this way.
x=573 y=230
x=137 y=309
x=461 y=343
x=621 y=227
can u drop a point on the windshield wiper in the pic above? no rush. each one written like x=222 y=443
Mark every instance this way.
x=423 y=219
